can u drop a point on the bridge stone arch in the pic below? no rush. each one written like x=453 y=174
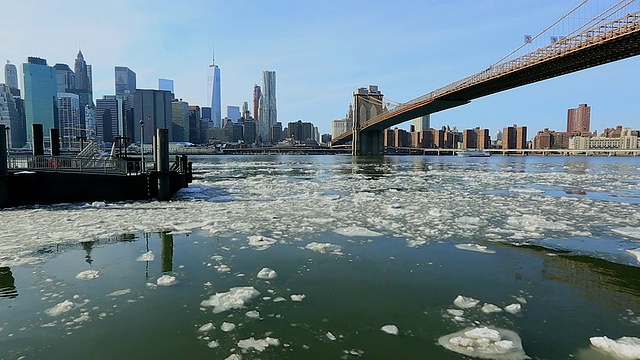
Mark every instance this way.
x=368 y=103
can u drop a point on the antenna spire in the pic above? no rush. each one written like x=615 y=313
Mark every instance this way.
x=213 y=55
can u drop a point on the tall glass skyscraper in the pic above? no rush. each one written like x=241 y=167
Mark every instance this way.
x=214 y=87
x=69 y=119
x=125 y=80
x=267 y=106
x=40 y=95
x=423 y=123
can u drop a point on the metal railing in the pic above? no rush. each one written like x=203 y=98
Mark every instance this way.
x=110 y=165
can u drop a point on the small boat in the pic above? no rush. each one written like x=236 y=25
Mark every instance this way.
x=473 y=153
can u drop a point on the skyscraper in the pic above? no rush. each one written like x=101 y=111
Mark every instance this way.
x=233 y=113
x=12 y=115
x=214 y=85
x=166 y=85
x=65 y=77
x=267 y=106
x=40 y=95
x=125 y=80
x=69 y=118
x=82 y=87
x=256 y=101
x=10 y=75
x=154 y=108
x=422 y=123
x=579 y=119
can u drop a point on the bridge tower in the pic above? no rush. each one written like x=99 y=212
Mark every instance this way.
x=367 y=103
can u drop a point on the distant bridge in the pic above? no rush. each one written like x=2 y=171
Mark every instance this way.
x=610 y=36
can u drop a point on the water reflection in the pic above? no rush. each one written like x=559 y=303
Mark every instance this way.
x=88 y=247
x=167 y=252
x=371 y=167
x=7 y=284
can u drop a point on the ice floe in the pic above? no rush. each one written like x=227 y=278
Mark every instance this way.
x=267 y=274
x=357 y=231
x=297 y=297
x=88 y=275
x=119 y=292
x=148 y=256
x=261 y=242
x=485 y=343
x=252 y=314
x=623 y=348
x=465 y=302
x=632 y=232
x=476 y=248
x=213 y=344
x=235 y=298
x=490 y=308
x=330 y=336
x=258 y=344
x=166 y=280
x=513 y=308
x=206 y=327
x=635 y=252
x=60 y=308
x=227 y=326
x=324 y=248
x=390 y=329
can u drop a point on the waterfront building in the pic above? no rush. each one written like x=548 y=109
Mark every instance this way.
x=326 y=138
x=257 y=93
x=69 y=120
x=246 y=114
x=514 y=137
x=476 y=138
x=153 y=107
x=195 y=124
x=82 y=87
x=249 y=131
x=340 y=126
x=12 y=115
x=125 y=80
x=579 y=119
x=275 y=133
x=628 y=140
x=397 y=138
x=90 y=121
x=166 y=85
x=11 y=75
x=40 y=96
x=233 y=113
x=549 y=139
x=422 y=123
x=267 y=109
x=180 y=121
x=301 y=131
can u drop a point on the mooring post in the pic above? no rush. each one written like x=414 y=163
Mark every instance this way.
x=3 y=151
x=38 y=139
x=54 y=134
x=162 y=163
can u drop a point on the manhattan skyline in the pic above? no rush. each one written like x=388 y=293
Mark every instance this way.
x=323 y=52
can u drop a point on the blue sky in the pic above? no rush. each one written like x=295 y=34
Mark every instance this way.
x=321 y=52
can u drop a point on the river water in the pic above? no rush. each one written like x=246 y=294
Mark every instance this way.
x=354 y=245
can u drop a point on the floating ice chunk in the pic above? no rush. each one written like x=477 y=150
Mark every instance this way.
x=98 y=204
x=234 y=357
x=633 y=232
x=88 y=275
x=60 y=308
x=279 y=299
x=356 y=231
x=252 y=314
x=390 y=329
x=455 y=312
x=624 y=347
x=148 y=256
x=415 y=243
x=330 y=336
x=490 y=308
x=166 y=280
x=476 y=248
x=521 y=299
x=464 y=302
x=485 y=343
x=258 y=344
x=235 y=298
x=213 y=344
x=119 y=292
x=206 y=327
x=24 y=172
x=261 y=242
x=635 y=252
x=297 y=297
x=267 y=274
x=513 y=308
x=222 y=268
x=226 y=326
x=324 y=248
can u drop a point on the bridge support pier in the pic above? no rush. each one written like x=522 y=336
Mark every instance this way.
x=368 y=143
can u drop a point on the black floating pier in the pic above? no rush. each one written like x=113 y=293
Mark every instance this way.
x=50 y=179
